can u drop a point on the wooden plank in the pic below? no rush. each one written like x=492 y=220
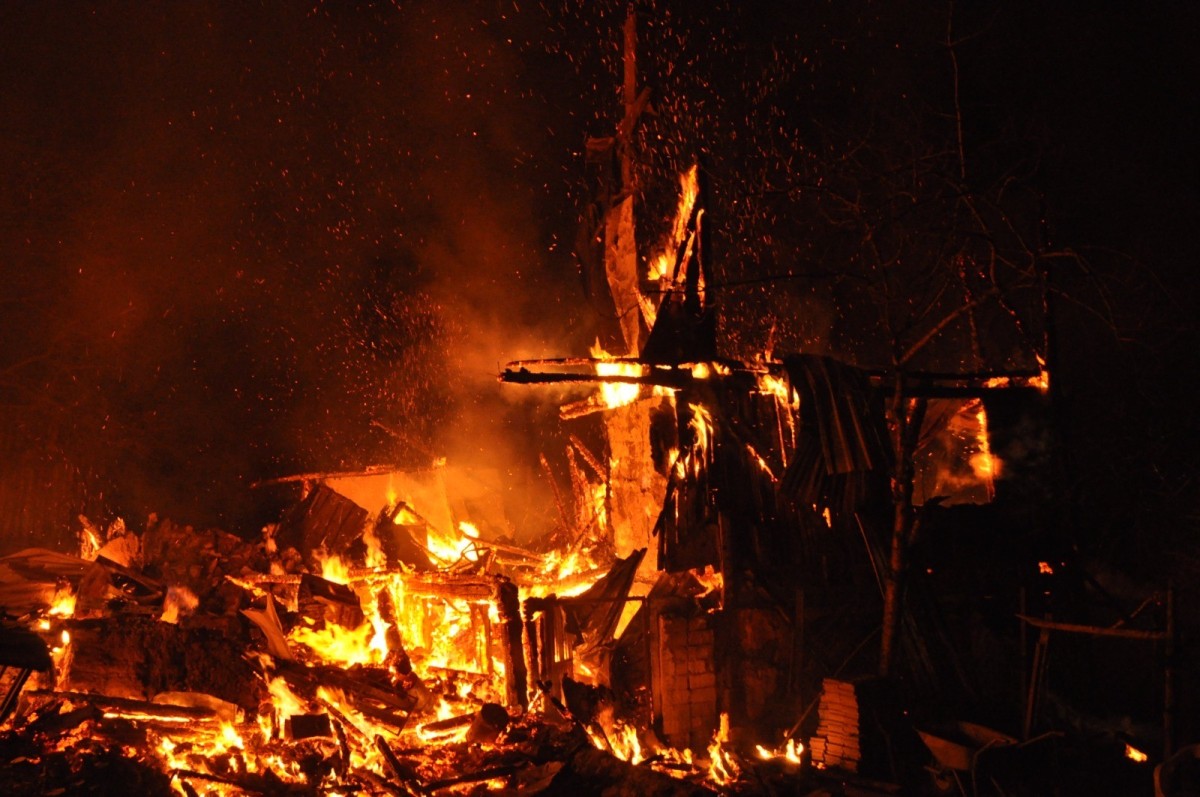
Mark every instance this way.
x=125 y=706
x=1091 y=630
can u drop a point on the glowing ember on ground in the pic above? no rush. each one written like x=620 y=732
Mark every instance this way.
x=790 y=752
x=64 y=604
x=179 y=601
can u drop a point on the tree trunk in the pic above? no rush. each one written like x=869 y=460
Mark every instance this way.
x=905 y=417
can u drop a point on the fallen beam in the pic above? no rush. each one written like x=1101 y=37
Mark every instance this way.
x=1091 y=630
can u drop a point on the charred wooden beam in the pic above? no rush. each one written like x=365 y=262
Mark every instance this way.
x=410 y=781
x=965 y=391
x=39 y=564
x=383 y=784
x=1091 y=630
x=927 y=384
x=392 y=707
x=491 y=773
x=207 y=777
x=488 y=723
x=447 y=726
x=515 y=675
x=124 y=577
x=600 y=770
x=14 y=691
x=677 y=379
x=397 y=539
x=306 y=726
x=452 y=586
x=326 y=600
x=132 y=708
x=55 y=721
x=316 y=476
x=324 y=519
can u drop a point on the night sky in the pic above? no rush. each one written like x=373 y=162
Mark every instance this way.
x=240 y=240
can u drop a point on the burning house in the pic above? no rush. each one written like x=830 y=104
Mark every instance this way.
x=670 y=620
x=724 y=599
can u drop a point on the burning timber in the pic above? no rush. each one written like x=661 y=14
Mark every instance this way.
x=196 y=663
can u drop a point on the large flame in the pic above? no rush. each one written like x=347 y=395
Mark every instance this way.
x=454 y=548
x=616 y=394
x=663 y=262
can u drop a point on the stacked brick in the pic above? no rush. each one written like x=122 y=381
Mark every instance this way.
x=837 y=740
x=689 y=683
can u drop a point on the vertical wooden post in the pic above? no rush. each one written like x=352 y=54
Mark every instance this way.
x=898 y=415
x=508 y=602
x=1036 y=679
x=905 y=416
x=1023 y=610
x=533 y=660
x=798 y=648
x=1169 y=677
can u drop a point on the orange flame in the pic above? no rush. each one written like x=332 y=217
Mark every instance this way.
x=722 y=767
x=779 y=388
x=64 y=604
x=661 y=264
x=791 y=752
x=616 y=394
x=701 y=425
x=712 y=580
x=985 y=464
x=1042 y=380
x=451 y=548
x=180 y=601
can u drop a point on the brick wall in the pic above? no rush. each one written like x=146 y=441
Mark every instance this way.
x=687 y=684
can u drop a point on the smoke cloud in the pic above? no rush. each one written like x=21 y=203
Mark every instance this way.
x=243 y=241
